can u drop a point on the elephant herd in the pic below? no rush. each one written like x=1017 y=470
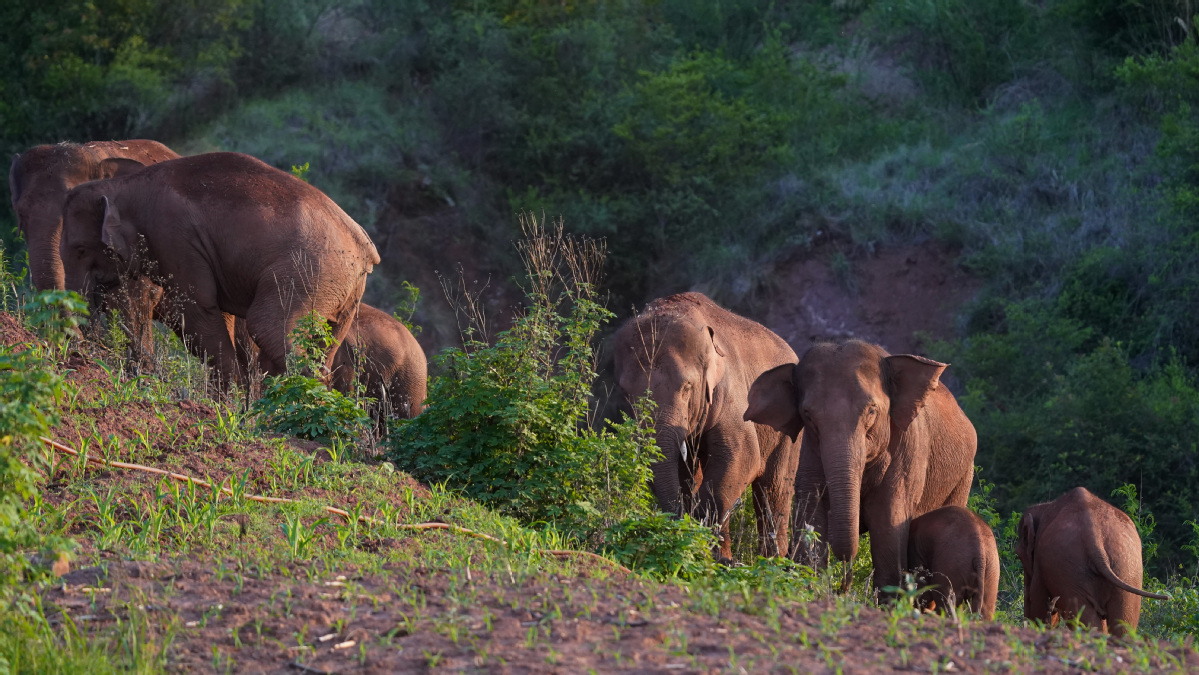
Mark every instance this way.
x=230 y=253
x=226 y=250
x=848 y=440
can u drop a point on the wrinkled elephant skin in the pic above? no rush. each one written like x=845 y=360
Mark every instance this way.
x=224 y=234
x=954 y=550
x=883 y=442
x=1082 y=557
x=698 y=359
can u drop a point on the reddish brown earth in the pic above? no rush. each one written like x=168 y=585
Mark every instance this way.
x=418 y=619
x=888 y=297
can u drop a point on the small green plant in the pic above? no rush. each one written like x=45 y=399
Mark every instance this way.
x=1144 y=520
x=56 y=316
x=406 y=303
x=301 y=405
x=300 y=171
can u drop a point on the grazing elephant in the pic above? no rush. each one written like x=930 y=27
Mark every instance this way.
x=224 y=234
x=40 y=178
x=387 y=361
x=953 y=549
x=883 y=443
x=698 y=360
x=1082 y=557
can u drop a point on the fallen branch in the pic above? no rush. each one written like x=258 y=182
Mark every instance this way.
x=560 y=553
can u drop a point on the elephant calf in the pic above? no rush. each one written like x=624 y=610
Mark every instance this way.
x=953 y=549
x=387 y=360
x=1082 y=557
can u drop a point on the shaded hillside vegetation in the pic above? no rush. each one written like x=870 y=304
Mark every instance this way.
x=1051 y=145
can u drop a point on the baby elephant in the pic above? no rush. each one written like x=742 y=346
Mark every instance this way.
x=1082 y=557
x=381 y=352
x=955 y=550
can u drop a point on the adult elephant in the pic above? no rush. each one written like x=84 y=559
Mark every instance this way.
x=381 y=354
x=40 y=178
x=698 y=360
x=223 y=233
x=883 y=443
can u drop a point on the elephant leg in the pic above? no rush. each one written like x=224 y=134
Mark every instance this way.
x=1123 y=611
x=809 y=509
x=732 y=460
x=961 y=491
x=267 y=325
x=1036 y=599
x=888 y=519
x=773 y=492
x=204 y=325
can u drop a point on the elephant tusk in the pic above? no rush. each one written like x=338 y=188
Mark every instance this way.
x=684 y=449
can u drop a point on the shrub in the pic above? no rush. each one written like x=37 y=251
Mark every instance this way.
x=662 y=546
x=56 y=316
x=301 y=405
x=28 y=394
x=507 y=422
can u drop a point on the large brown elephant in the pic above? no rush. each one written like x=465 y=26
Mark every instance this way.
x=224 y=234
x=381 y=354
x=1082 y=557
x=883 y=443
x=39 y=180
x=698 y=360
x=954 y=550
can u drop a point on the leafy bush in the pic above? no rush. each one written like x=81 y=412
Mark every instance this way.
x=507 y=422
x=301 y=405
x=662 y=546
x=56 y=316
x=28 y=395
x=1055 y=408
x=965 y=44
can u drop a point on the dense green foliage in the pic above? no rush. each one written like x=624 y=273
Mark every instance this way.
x=29 y=389
x=506 y=422
x=301 y=405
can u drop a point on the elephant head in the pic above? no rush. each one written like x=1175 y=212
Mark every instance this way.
x=39 y=181
x=96 y=248
x=849 y=400
x=681 y=363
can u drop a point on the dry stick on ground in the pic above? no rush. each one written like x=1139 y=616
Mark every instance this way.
x=331 y=509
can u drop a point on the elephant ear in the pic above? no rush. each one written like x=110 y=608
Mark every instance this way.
x=119 y=166
x=113 y=233
x=774 y=400
x=912 y=379
x=715 y=369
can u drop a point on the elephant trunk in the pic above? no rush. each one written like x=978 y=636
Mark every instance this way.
x=671 y=435
x=843 y=471
x=45 y=263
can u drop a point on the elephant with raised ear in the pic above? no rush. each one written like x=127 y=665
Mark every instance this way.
x=380 y=353
x=697 y=360
x=883 y=442
x=40 y=178
x=224 y=234
x=1082 y=558
x=954 y=551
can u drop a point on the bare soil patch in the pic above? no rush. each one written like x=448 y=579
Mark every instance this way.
x=890 y=297
x=419 y=619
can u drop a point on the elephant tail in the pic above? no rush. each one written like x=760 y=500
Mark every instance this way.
x=1105 y=571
